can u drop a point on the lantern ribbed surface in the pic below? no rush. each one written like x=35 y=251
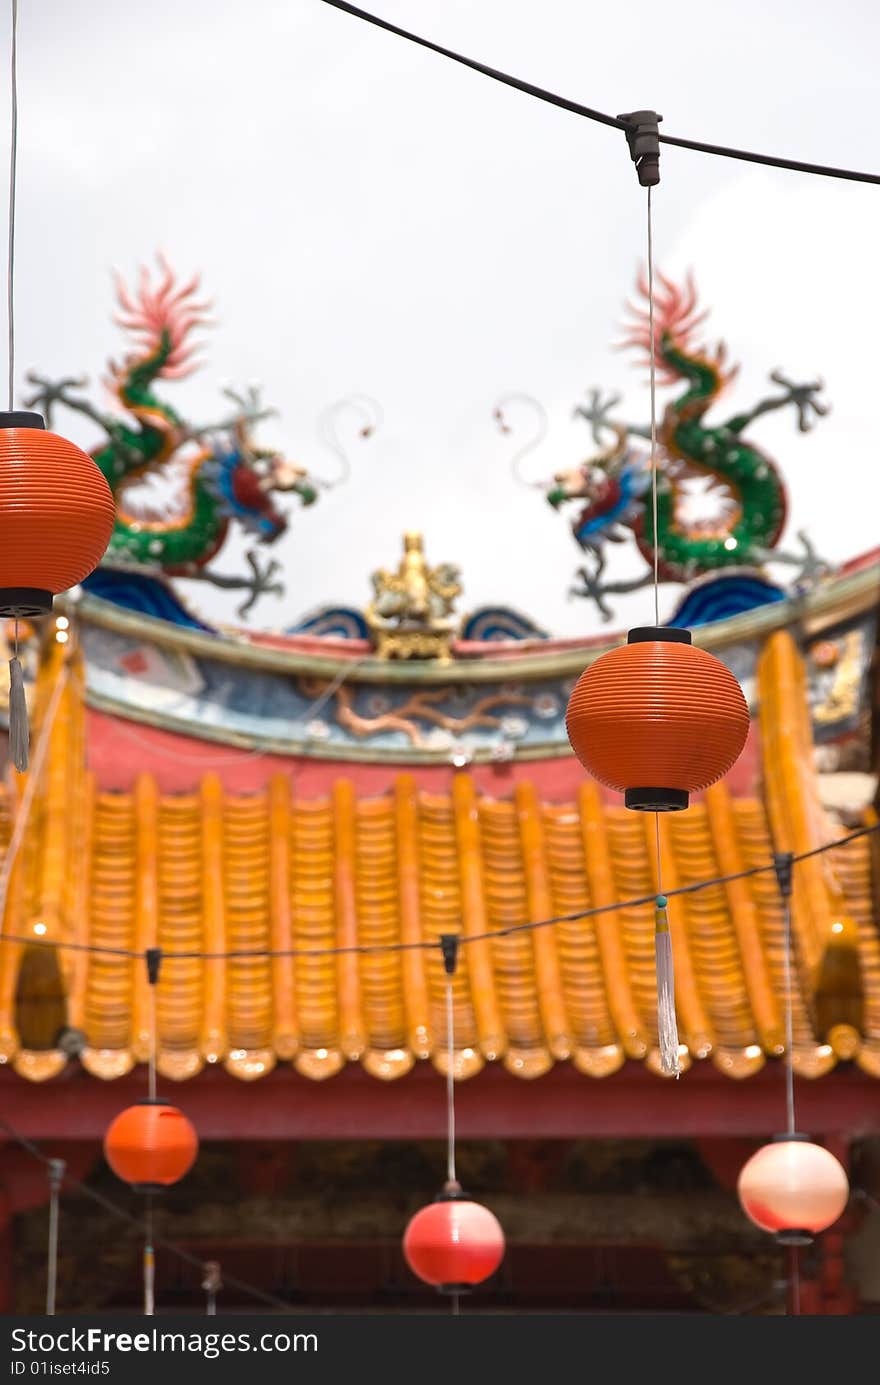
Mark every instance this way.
x=657 y=713
x=793 y=1185
x=151 y=1145
x=56 y=511
x=454 y=1243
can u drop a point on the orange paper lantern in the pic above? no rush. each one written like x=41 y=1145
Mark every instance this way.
x=151 y=1145
x=657 y=719
x=793 y=1188
x=454 y=1243
x=56 y=515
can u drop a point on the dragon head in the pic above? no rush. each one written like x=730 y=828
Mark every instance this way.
x=609 y=482
x=255 y=475
x=591 y=481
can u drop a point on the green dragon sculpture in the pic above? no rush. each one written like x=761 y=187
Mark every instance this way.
x=721 y=502
x=177 y=487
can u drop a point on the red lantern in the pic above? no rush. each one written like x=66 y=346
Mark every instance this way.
x=56 y=515
x=793 y=1188
x=453 y=1243
x=151 y=1145
x=657 y=719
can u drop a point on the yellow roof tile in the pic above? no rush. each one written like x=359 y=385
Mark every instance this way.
x=214 y=872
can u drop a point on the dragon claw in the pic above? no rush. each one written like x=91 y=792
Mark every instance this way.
x=51 y=392
x=803 y=397
x=597 y=412
x=262 y=581
x=811 y=568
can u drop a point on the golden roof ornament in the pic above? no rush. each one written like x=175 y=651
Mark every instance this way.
x=410 y=615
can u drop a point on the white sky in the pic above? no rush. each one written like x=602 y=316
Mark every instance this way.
x=372 y=218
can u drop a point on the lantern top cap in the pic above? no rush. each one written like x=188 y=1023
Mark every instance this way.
x=21 y=418
x=668 y=634
x=452 y=1191
x=792 y=1135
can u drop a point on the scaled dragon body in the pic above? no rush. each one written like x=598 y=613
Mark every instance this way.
x=217 y=475
x=721 y=502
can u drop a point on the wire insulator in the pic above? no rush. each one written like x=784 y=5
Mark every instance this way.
x=643 y=138
x=783 y=863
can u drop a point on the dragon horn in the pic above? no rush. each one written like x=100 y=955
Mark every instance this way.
x=531 y=443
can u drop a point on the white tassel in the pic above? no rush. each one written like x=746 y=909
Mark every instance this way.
x=19 y=734
x=667 y=1026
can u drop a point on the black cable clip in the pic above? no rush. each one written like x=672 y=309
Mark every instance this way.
x=153 y=958
x=449 y=948
x=783 y=862
x=643 y=138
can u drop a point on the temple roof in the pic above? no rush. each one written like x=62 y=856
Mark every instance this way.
x=213 y=871
x=336 y=703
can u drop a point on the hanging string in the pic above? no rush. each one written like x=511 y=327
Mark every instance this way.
x=13 y=159
x=653 y=387
x=22 y=816
x=151 y=1072
x=450 y=1084
x=211 y=1283
x=783 y=862
x=153 y=959
x=56 y=1171
x=449 y=949
x=19 y=735
x=149 y=1260
x=449 y=946
x=789 y=1026
x=667 y=1025
x=19 y=729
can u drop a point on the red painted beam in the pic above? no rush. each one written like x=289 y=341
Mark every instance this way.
x=562 y=1105
x=119 y=750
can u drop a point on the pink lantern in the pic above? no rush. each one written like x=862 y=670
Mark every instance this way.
x=793 y=1188
x=453 y=1243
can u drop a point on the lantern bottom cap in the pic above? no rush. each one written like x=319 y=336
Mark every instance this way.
x=454 y=1288
x=656 y=800
x=792 y=1236
x=24 y=602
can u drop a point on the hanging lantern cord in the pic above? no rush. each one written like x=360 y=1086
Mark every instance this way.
x=13 y=156
x=149 y=1260
x=19 y=730
x=667 y=1023
x=783 y=862
x=19 y=734
x=212 y=1284
x=55 y=1171
x=449 y=948
x=643 y=139
x=153 y=958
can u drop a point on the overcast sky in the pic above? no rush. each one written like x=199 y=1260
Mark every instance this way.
x=369 y=217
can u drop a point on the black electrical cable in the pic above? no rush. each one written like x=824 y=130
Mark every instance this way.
x=795 y=165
